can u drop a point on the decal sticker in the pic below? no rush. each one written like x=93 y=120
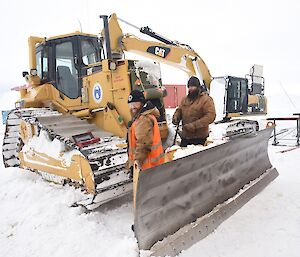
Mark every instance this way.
x=97 y=93
x=159 y=51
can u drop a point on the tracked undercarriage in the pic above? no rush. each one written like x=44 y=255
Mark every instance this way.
x=45 y=141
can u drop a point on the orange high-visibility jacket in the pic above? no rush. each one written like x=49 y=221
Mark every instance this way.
x=155 y=155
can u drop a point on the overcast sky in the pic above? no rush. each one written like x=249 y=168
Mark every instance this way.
x=229 y=35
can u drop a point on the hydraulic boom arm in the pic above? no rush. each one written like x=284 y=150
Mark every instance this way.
x=167 y=51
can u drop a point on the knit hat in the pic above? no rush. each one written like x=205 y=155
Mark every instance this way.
x=193 y=82
x=136 y=96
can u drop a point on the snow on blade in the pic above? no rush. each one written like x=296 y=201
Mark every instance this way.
x=191 y=149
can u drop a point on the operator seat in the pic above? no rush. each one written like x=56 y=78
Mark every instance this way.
x=67 y=84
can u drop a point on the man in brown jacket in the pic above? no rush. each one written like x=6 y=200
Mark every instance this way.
x=144 y=139
x=197 y=111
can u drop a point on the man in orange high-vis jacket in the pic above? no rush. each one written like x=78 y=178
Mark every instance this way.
x=144 y=141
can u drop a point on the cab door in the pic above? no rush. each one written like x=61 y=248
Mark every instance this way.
x=67 y=72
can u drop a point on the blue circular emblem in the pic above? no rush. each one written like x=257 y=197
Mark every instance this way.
x=97 y=93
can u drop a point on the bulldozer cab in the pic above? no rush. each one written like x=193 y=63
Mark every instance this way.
x=241 y=96
x=236 y=93
x=64 y=61
x=245 y=95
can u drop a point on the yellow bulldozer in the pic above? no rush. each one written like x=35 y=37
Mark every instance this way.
x=71 y=122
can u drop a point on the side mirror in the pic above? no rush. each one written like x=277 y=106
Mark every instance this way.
x=25 y=73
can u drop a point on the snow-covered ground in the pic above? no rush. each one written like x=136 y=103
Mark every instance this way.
x=36 y=220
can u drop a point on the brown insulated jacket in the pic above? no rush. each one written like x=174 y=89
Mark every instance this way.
x=196 y=115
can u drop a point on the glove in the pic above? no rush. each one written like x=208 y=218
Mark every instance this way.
x=139 y=164
x=175 y=121
x=189 y=127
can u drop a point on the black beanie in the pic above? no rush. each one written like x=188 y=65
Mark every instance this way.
x=136 y=96
x=193 y=82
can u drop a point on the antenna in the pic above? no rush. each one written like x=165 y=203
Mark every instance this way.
x=287 y=95
x=79 y=25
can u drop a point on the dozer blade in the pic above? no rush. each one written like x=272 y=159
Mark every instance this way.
x=177 y=193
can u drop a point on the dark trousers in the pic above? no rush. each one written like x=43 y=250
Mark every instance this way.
x=194 y=141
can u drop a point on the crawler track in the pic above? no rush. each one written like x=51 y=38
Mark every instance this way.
x=106 y=160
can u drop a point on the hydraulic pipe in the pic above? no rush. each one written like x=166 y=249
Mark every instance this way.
x=106 y=35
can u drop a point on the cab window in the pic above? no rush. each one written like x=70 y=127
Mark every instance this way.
x=90 y=51
x=42 y=63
